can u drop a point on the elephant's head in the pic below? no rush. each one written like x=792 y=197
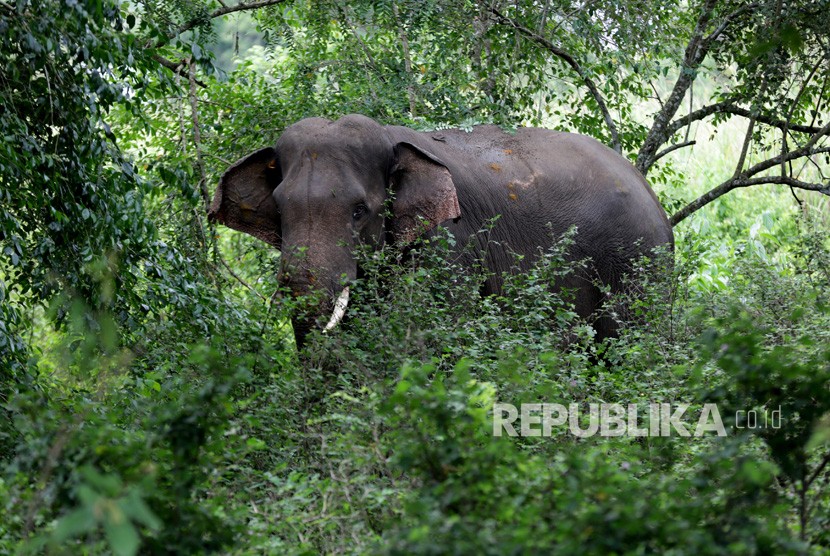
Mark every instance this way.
x=322 y=191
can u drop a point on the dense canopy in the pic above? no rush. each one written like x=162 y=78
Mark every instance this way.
x=153 y=399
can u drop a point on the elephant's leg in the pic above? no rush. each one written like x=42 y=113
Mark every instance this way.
x=591 y=304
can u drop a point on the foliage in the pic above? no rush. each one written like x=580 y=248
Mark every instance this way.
x=401 y=456
x=71 y=201
x=152 y=397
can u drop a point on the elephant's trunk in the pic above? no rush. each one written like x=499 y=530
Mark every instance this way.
x=340 y=305
x=327 y=297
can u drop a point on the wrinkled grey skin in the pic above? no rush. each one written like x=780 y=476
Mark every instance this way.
x=322 y=190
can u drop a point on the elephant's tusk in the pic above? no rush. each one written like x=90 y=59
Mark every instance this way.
x=339 y=309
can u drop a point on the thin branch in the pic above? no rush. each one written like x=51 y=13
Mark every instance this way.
x=673 y=148
x=727 y=107
x=815 y=166
x=793 y=104
x=805 y=150
x=656 y=94
x=695 y=52
x=197 y=133
x=543 y=19
x=804 y=505
x=62 y=437
x=814 y=475
x=407 y=60
x=565 y=18
x=824 y=189
x=517 y=51
x=180 y=104
x=176 y=67
x=363 y=46
x=195 y=22
x=820 y=99
x=798 y=201
x=219 y=158
x=744 y=148
x=563 y=55
x=238 y=279
x=728 y=19
x=792 y=155
x=691 y=106
x=803 y=512
x=224 y=10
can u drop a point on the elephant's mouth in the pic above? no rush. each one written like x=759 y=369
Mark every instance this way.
x=304 y=321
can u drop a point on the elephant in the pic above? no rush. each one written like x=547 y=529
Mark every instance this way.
x=329 y=186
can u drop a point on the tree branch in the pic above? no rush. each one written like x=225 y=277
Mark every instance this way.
x=197 y=133
x=792 y=155
x=238 y=279
x=727 y=107
x=728 y=19
x=407 y=60
x=814 y=475
x=224 y=10
x=744 y=148
x=563 y=55
x=805 y=150
x=696 y=51
x=793 y=104
x=673 y=148
x=176 y=67
x=745 y=178
x=656 y=94
x=731 y=184
x=195 y=22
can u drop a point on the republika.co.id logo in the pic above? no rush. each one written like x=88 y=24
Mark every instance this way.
x=615 y=419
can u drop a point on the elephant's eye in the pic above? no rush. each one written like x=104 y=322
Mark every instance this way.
x=360 y=210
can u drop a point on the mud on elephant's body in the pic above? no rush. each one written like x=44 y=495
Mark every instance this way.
x=323 y=189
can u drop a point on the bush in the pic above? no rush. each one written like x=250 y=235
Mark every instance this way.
x=379 y=438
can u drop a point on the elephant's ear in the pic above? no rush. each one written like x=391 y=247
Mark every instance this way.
x=243 y=199
x=424 y=192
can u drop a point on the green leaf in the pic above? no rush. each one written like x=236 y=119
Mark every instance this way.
x=137 y=509
x=255 y=444
x=122 y=536
x=75 y=523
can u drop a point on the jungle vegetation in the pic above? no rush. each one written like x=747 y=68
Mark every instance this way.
x=151 y=396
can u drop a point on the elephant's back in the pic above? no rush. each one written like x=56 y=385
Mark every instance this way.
x=543 y=171
x=607 y=187
x=542 y=181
